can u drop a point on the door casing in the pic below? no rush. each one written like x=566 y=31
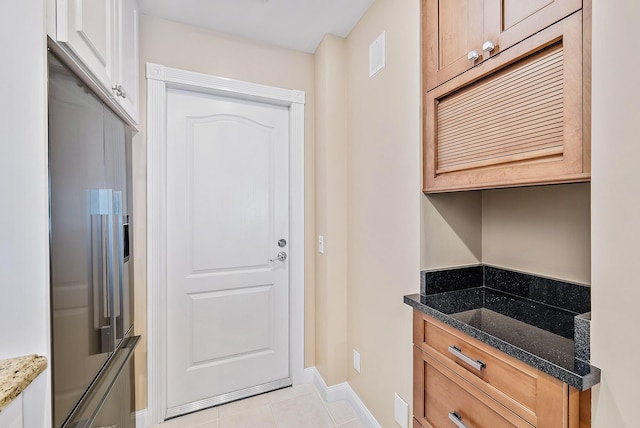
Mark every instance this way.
x=159 y=79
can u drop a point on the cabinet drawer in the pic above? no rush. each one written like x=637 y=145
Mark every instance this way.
x=514 y=384
x=447 y=397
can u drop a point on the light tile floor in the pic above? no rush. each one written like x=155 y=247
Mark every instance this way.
x=294 y=407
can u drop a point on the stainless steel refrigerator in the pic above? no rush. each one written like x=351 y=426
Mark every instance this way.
x=91 y=265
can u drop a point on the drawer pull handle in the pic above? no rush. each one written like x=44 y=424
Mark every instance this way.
x=476 y=364
x=456 y=419
x=473 y=55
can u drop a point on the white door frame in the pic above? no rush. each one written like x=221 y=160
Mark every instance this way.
x=159 y=79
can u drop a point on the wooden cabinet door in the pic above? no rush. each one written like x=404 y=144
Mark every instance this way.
x=454 y=28
x=507 y=22
x=86 y=27
x=127 y=56
x=451 y=29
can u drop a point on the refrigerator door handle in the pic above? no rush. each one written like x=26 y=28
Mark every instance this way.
x=100 y=210
x=109 y=344
x=119 y=312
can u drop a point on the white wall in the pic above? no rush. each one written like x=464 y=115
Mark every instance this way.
x=615 y=212
x=24 y=239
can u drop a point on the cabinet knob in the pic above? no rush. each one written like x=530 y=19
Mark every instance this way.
x=473 y=55
x=117 y=89
x=488 y=46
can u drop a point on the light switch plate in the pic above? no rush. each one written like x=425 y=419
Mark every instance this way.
x=401 y=411
x=321 y=244
x=377 y=55
x=356 y=361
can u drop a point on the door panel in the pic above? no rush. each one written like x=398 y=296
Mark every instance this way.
x=508 y=22
x=243 y=221
x=452 y=28
x=86 y=27
x=227 y=206
x=248 y=310
x=127 y=51
x=514 y=11
x=453 y=43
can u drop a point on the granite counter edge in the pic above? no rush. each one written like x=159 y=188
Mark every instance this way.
x=576 y=380
x=16 y=374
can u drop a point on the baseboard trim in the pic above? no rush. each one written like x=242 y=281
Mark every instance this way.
x=341 y=391
x=141 y=418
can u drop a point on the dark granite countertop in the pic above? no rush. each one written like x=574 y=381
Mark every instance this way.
x=535 y=326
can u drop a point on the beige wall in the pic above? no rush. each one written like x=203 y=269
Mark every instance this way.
x=180 y=46
x=392 y=230
x=331 y=210
x=451 y=230
x=543 y=230
x=383 y=207
x=615 y=199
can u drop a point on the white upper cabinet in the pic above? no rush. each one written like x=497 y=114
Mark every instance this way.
x=103 y=37
x=127 y=55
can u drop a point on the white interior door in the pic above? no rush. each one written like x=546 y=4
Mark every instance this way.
x=227 y=221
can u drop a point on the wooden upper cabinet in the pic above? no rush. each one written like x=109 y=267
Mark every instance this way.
x=513 y=121
x=506 y=87
x=454 y=29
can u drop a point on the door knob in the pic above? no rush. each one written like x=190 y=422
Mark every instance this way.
x=473 y=56
x=282 y=256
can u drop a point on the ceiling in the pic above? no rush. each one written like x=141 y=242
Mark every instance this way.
x=292 y=24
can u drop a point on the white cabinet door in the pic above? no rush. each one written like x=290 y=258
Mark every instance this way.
x=127 y=56
x=87 y=28
x=11 y=416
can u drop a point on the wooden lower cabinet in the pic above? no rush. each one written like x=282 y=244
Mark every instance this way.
x=504 y=393
x=448 y=397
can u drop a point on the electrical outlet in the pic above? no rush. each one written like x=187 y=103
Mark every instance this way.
x=401 y=411
x=321 y=244
x=356 y=360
